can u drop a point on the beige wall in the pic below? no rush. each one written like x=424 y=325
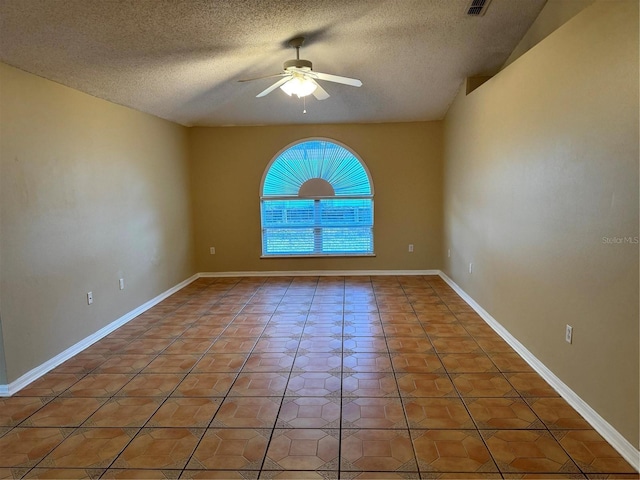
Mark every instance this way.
x=404 y=161
x=541 y=163
x=554 y=14
x=90 y=192
x=3 y=363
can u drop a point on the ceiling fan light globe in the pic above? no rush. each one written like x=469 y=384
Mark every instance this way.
x=299 y=86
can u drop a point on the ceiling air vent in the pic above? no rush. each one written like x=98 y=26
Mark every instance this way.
x=477 y=8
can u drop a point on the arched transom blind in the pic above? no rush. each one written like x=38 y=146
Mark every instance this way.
x=317 y=199
x=316 y=159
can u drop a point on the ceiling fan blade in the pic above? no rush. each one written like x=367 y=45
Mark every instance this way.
x=354 y=82
x=274 y=86
x=260 y=78
x=320 y=93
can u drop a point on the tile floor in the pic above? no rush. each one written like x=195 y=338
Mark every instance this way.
x=331 y=377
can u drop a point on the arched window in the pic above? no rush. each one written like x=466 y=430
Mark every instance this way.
x=316 y=200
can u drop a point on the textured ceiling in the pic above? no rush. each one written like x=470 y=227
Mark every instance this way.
x=181 y=60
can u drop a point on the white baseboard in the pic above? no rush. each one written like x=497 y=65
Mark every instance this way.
x=320 y=273
x=34 y=374
x=604 y=428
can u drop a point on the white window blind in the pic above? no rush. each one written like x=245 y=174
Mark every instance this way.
x=295 y=221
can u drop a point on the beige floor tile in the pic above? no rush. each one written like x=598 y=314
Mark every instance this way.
x=455 y=345
x=89 y=448
x=14 y=410
x=369 y=384
x=309 y=412
x=314 y=384
x=99 y=385
x=437 y=413
x=180 y=363
x=260 y=384
x=220 y=362
x=425 y=385
x=556 y=413
x=417 y=363
x=502 y=413
x=303 y=449
x=451 y=451
x=124 y=412
x=220 y=474
x=231 y=449
x=299 y=475
x=377 y=450
x=126 y=364
x=510 y=362
x=318 y=362
x=379 y=362
x=25 y=447
x=409 y=344
x=185 y=412
x=531 y=385
x=482 y=385
x=249 y=412
x=380 y=413
x=65 y=473
x=269 y=362
x=159 y=448
x=50 y=385
x=205 y=385
x=528 y=451
x=81 y=363
x=591 y=452
x=64 y=412
x=142 y=474
x=151 y=385
x=467 y=363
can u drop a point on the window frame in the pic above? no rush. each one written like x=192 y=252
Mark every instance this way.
x=316 y=199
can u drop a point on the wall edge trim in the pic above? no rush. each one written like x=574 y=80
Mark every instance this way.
x=316 y=273
x=604 y=428
x=13 y=387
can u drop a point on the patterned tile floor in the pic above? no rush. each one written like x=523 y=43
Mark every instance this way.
x=301 y=378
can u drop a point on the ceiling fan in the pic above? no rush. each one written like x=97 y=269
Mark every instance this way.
x=298 y=77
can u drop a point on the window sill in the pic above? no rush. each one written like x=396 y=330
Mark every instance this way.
x=320 y=255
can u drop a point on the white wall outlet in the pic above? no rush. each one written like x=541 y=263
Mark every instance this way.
x=449 y=253
x=471 y=268
x=212 y=250
x=89 y=298
x=121 y=283
x=568 y=334
x=411 y=247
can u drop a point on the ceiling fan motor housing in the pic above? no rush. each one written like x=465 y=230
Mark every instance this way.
x=297 y=63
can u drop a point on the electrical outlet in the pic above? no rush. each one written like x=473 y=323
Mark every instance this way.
x=411 y=247
x=568 y=334
x=471 y=268
x=449 y=253
x=89 y=298
x=212 y=250
x=121 y=284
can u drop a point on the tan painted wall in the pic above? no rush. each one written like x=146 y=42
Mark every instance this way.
x=404 y=161
x=541 y=163
x=3 y=363
x=90 y=192
x=554 y=14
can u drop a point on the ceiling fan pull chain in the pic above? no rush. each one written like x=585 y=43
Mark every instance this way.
x=304 y=104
